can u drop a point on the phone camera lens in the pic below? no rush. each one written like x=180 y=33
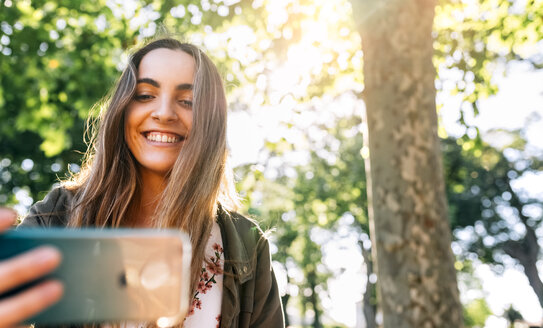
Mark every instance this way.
x=122 y=279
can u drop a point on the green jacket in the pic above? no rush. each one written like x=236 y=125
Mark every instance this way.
x=250 y=295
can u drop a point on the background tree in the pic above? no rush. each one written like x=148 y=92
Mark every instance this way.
x=501 y=219
x=306 y=202
x=475 y=41
x=417 y=280
x=476 y=308
x=512 y=315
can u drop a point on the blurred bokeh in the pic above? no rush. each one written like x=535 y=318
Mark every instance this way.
x=293 y=70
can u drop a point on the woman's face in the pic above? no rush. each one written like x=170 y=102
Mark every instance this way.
x=159 y=118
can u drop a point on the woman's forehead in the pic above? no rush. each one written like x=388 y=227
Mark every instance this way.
x=166 y=63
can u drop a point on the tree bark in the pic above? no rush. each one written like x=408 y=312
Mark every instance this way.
x=312 y=280
x=408 y=210
x=370 y=306
x=526 y=250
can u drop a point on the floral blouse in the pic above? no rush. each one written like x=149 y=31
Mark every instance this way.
x=205 y=309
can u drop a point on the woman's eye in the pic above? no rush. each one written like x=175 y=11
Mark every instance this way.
x=143 y=97
x=185 y=103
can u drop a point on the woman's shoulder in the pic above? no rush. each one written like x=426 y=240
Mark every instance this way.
x=243 y=226
x=244 y=243
x=51 y=211
x=242 y=221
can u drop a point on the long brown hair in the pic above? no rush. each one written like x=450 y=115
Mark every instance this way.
x=199 y=180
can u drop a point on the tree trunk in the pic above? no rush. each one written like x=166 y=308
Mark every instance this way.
x=408 y=210
x=526 y=250
x=522 y=251
x=312 y=280
x=303 y=314
x=370 y=306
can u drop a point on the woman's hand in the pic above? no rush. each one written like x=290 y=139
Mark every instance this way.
x=24 y=268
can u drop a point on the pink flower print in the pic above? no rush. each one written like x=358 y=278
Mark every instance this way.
x=193 y=305
x=207 y=278
x=217 y=248
x=201 y=286
x=207 y=286
x=214 y=268
x=198 y=304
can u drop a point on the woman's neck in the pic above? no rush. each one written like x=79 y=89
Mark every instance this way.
x=142 y=211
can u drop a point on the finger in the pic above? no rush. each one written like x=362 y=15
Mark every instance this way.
x=24 y=305
x=28 y=266
x=7 y=218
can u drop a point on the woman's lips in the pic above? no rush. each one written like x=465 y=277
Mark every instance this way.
x=164 y=137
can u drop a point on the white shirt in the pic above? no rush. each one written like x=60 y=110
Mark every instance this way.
x=205 y=309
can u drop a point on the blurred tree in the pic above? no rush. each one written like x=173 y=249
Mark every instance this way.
x=476 y=309
x=306 y=201
x=331 y=187
x=512 y=315
x=56 y=61
x=476 y=312
x=406 y=189
x=476 y=40
x=499 y=218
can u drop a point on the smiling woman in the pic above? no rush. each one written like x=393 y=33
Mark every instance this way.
x=159 y=118
x=159 y=161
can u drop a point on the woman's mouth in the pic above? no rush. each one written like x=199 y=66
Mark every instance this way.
x=163 y=137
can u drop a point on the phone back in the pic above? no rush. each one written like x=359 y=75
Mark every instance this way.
x=112 y=275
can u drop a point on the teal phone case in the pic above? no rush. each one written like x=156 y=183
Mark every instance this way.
x=111 y=275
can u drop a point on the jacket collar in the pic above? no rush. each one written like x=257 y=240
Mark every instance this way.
x=237 y=259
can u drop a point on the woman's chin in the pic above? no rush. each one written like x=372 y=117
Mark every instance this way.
x=159 y=168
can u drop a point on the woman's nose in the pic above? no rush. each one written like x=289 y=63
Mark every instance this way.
x=165 y=111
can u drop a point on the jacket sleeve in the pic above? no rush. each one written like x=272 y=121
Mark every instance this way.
x=267 y=307
x=51 y=211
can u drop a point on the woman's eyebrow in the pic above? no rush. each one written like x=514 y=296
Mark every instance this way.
x=149 y=81
x=184 y=86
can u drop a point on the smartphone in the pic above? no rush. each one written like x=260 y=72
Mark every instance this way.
x=111 y=275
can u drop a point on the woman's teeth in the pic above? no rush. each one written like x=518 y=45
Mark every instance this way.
x=160 y=137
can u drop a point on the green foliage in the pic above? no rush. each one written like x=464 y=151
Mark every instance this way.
x=55 y=65
x=305 y=207
x=476 y=312
x=482 y=199
x=333 y=183
x=512 y=315
x=57 y=59
x=473 y=38
x=475 y=307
